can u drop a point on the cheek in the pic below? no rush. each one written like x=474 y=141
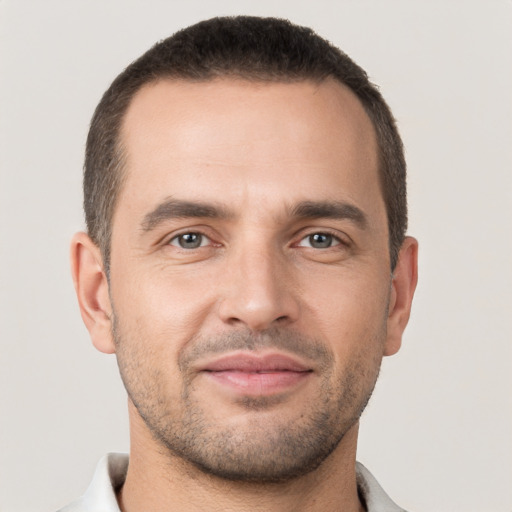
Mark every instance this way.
x=147 y=354
x=350 y=313
x=165 y=306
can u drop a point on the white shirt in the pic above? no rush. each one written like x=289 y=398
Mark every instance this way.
x=111 y=473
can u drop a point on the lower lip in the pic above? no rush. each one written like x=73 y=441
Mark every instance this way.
x=258 y=383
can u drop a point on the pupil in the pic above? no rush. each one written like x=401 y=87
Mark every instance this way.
x=320 y=240
x=190 y=240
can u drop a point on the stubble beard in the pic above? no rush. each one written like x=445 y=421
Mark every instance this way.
x=268 y=448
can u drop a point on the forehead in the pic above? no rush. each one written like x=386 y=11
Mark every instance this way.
x=231 y=138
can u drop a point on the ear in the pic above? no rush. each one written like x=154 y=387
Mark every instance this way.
x=91 y=288
x=403 y=284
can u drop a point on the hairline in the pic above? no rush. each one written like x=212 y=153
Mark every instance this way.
x=120 y=149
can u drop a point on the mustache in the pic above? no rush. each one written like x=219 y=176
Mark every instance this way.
x=285 y=340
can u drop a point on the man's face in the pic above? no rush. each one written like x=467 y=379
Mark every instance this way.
x=250 y=273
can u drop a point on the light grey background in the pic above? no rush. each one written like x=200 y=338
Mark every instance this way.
x=438 y=433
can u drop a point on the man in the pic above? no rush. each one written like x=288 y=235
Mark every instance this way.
x=246 y=260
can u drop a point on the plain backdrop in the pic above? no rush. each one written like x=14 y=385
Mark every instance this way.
x=438 y=432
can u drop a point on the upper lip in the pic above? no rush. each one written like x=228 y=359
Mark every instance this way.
x=253 y=362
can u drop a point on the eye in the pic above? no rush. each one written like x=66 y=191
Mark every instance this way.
x=190 y=240
x=319 y=241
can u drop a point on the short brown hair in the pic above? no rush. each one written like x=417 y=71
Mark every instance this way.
x=258 y=49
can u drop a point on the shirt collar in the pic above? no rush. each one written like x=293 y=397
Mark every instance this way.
x=111 y=473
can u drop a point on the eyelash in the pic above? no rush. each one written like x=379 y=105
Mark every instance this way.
x=336 y=240
x=181 y=235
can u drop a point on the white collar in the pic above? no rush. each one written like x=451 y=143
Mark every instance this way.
x=111 y=473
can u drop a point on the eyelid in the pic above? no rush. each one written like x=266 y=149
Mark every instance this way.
x=335 y=241
x=339 y=237
x=204 y=238
x=199 y=230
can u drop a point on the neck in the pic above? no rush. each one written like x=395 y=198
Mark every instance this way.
x=158 y=481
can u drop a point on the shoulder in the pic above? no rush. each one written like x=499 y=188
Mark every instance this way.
x=101 y=494
x=373 y=495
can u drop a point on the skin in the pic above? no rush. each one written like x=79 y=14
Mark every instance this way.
x=258 y=283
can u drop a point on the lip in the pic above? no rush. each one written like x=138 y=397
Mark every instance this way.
x=249 y=362
x=257 y=374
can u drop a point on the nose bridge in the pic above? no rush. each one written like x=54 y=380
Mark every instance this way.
x=259 y=275
x=259 y=289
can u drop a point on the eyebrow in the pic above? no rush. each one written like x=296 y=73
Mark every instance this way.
x=330 y=210
x=178 y=209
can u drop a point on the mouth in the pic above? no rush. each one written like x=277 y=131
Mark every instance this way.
x=257 y=374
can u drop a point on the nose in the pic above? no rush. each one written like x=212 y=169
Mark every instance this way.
x=259 y=291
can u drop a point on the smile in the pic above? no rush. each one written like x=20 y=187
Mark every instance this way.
x=256 y=375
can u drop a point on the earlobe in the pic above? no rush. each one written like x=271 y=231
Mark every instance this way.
x=403 y=285
x=91 y=288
